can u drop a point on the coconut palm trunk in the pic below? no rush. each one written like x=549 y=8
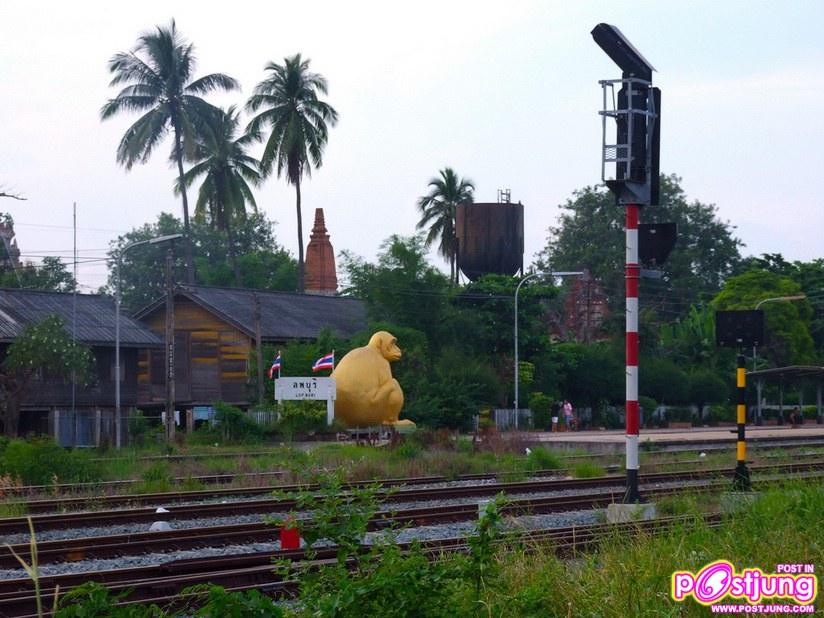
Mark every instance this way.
x=300 y=239
x=230 y=238
x=190 y=263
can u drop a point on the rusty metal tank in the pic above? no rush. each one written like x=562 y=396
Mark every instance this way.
x=490 y=238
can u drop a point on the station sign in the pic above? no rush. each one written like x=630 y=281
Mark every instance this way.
x=295 y=388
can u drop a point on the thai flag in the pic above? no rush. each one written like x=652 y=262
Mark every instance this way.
x=324 y=362
x=275 y=366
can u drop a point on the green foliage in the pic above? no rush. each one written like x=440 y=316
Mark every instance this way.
x=50 y=276
x=541 y=406
x=217 y=602
x=543 y=459
x=454 y=392
x=664 y=381
x=707 y=386
x=157 y=478
x=689 y=341
x=587 y=469
x=482 y=564
x=680 y=414
x=590 y=235
x=234 y=425
x=301 y=418
x=220 y=158
x=47 y=346
x=438 y=213
x=140 y=429
x=338 y=516
x=395 y=288
x=298 y=121
x=93 y=600
x=43 y=462
x=589 y=375
x=263 y=264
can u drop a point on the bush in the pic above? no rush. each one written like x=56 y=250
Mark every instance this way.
x=543 y=459
x=43 y=461
x=301 y=417
x=140 y=429
x=541 y=406
x=587 y=470
x=679 y=414
x=235 y=425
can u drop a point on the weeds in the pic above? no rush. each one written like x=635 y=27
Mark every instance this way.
x=587 y=470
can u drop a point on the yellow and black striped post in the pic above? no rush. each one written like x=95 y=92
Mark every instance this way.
x=741 y=480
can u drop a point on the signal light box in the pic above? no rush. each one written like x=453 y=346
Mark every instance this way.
x=736 y=329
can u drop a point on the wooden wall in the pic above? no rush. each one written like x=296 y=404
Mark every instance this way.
x=211 y=359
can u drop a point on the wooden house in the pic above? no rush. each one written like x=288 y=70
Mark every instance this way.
x=76 y=414
x=214 y=338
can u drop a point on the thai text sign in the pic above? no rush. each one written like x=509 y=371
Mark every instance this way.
x=292 y=388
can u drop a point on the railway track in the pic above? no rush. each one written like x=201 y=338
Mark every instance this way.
x=106 y=488
x=65 y=509
x=117 y=545
x=162 y=583
x=146 y=514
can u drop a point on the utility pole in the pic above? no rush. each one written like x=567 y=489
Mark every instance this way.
x=170 y=350
x=258 y=350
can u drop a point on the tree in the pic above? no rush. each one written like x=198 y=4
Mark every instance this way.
x=402 y=287
x=155 y=77
x=50 y=276
x=264 y=265
x=297 y=120
x=707 y=386
x=590 y=235
x=663 y=380
x=227 y=170
x=438 y=212
x=786 y=324
x=588 y=375
x=43 y=347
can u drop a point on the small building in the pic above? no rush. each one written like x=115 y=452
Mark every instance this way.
x=77 y=414
x=214 y=338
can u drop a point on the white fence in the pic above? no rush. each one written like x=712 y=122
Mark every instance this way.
x=505 y=419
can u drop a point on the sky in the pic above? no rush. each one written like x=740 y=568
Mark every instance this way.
x=507 y=94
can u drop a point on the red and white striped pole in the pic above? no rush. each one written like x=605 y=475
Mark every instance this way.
x=632 y=275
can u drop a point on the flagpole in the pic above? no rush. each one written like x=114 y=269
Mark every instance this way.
x=280 y=363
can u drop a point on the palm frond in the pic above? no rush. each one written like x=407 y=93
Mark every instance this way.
x=212 y=82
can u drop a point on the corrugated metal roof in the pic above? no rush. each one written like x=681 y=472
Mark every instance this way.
x=283 y=315
x=95 y=317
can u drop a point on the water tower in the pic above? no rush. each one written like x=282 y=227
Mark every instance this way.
x=490 y=237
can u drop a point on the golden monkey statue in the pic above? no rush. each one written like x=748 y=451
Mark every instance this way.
x=367 y=394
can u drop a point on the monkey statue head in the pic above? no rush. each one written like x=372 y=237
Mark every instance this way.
x=387 y=344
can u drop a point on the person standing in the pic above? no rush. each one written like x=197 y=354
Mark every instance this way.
x=556 y=412
x=568 y=417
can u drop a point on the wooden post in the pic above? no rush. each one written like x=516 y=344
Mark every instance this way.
x=97 y=423
x=170 y=350
x=259 y=351
x=190 y=420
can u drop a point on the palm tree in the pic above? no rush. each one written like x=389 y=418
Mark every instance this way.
x=227 y=170
x=298 y=122
x=438 y=212
x=155 y=77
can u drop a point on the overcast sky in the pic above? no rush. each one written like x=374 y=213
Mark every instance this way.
x=504 y=92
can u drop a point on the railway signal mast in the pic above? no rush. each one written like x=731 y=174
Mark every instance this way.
x=629 y=167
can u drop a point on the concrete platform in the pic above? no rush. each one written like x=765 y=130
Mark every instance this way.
x=674 y=439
